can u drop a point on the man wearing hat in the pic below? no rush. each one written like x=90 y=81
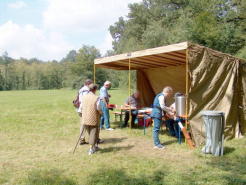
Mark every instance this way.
x=104 y=101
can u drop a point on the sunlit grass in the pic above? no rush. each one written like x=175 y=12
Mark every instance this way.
x=38 y=130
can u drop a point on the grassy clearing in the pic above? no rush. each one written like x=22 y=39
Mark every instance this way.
x=38 y=130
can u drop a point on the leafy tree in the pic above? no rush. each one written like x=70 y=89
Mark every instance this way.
x=218 y=24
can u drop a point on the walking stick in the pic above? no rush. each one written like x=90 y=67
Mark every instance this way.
x=77 y=142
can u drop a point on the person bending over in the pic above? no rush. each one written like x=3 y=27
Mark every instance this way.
x=159 y=109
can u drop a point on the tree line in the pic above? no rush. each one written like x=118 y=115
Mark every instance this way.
x=218 y=24
x=70 y=72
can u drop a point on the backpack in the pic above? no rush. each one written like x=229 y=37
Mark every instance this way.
x=76 y=102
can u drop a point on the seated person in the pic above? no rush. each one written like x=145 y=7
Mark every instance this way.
x=172 y=121
x=133 y=103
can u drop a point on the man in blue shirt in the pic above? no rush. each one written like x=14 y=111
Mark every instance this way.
x=104 y=101
x=159 y=109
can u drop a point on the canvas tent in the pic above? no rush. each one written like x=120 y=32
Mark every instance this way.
x=211 y=80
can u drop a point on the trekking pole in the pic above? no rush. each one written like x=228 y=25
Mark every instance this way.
x=77 y=142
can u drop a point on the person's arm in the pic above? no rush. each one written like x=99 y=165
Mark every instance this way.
x=80 y=107
x=126 y=104
x=104 y=94
x=98 y=106
x=162 y=104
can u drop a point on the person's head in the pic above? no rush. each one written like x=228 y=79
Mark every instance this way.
x=93 y=88
x=107 y=84
x=136 y=94
x=168 y=91
x=88 y=82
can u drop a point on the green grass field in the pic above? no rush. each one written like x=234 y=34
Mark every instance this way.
x=38 y=130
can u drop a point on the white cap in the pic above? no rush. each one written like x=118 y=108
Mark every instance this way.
x=107 y=83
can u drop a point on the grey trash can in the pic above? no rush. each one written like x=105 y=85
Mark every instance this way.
x=214 y=122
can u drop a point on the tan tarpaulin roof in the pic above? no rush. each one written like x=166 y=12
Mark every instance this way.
x=216 y=81
x=171 y=55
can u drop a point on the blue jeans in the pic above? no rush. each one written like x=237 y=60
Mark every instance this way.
x=105 y=115
x=156 y=129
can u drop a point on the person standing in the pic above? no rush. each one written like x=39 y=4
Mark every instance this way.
x=90 y=119
x=104 y=101
x=132 y=102
x=83 y=91
x=159 y=109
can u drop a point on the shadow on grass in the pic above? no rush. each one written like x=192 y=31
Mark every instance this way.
x=116 y=124
x=115 y=149
x=170 y=142
x=114 y=140
x=48 y=177
x=118 y=176
x=228 y=150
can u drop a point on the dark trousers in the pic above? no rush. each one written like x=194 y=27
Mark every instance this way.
x=93 y=132
x=173 y=127
x=134 y=114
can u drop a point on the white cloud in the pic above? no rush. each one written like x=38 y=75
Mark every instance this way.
x=28 y=41
x=17 y=5
x=61 y=20
x=84 y=15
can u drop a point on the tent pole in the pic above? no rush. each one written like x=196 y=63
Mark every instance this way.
x=94 y=74
x=187 y=90
x=129 y=90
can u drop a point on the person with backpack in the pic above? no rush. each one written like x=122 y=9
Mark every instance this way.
x=82 y=92
x=90 y=108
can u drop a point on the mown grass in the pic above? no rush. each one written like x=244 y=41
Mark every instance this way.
x=38 y=130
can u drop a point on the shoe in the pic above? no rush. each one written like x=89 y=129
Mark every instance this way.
x=83 y=142
x=96 y=148
x=109 y=129
x=160 y=147
x=100 y=141
x=91 y=151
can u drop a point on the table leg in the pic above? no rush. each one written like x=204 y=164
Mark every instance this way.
x=179 y=135
x=121 y=112
x=144 y=125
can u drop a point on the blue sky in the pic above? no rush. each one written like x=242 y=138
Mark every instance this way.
x=48 y=29
x=24 y=12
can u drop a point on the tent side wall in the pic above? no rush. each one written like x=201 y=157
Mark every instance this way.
x=213 y=85
x=242 y=95
x=151 y=82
